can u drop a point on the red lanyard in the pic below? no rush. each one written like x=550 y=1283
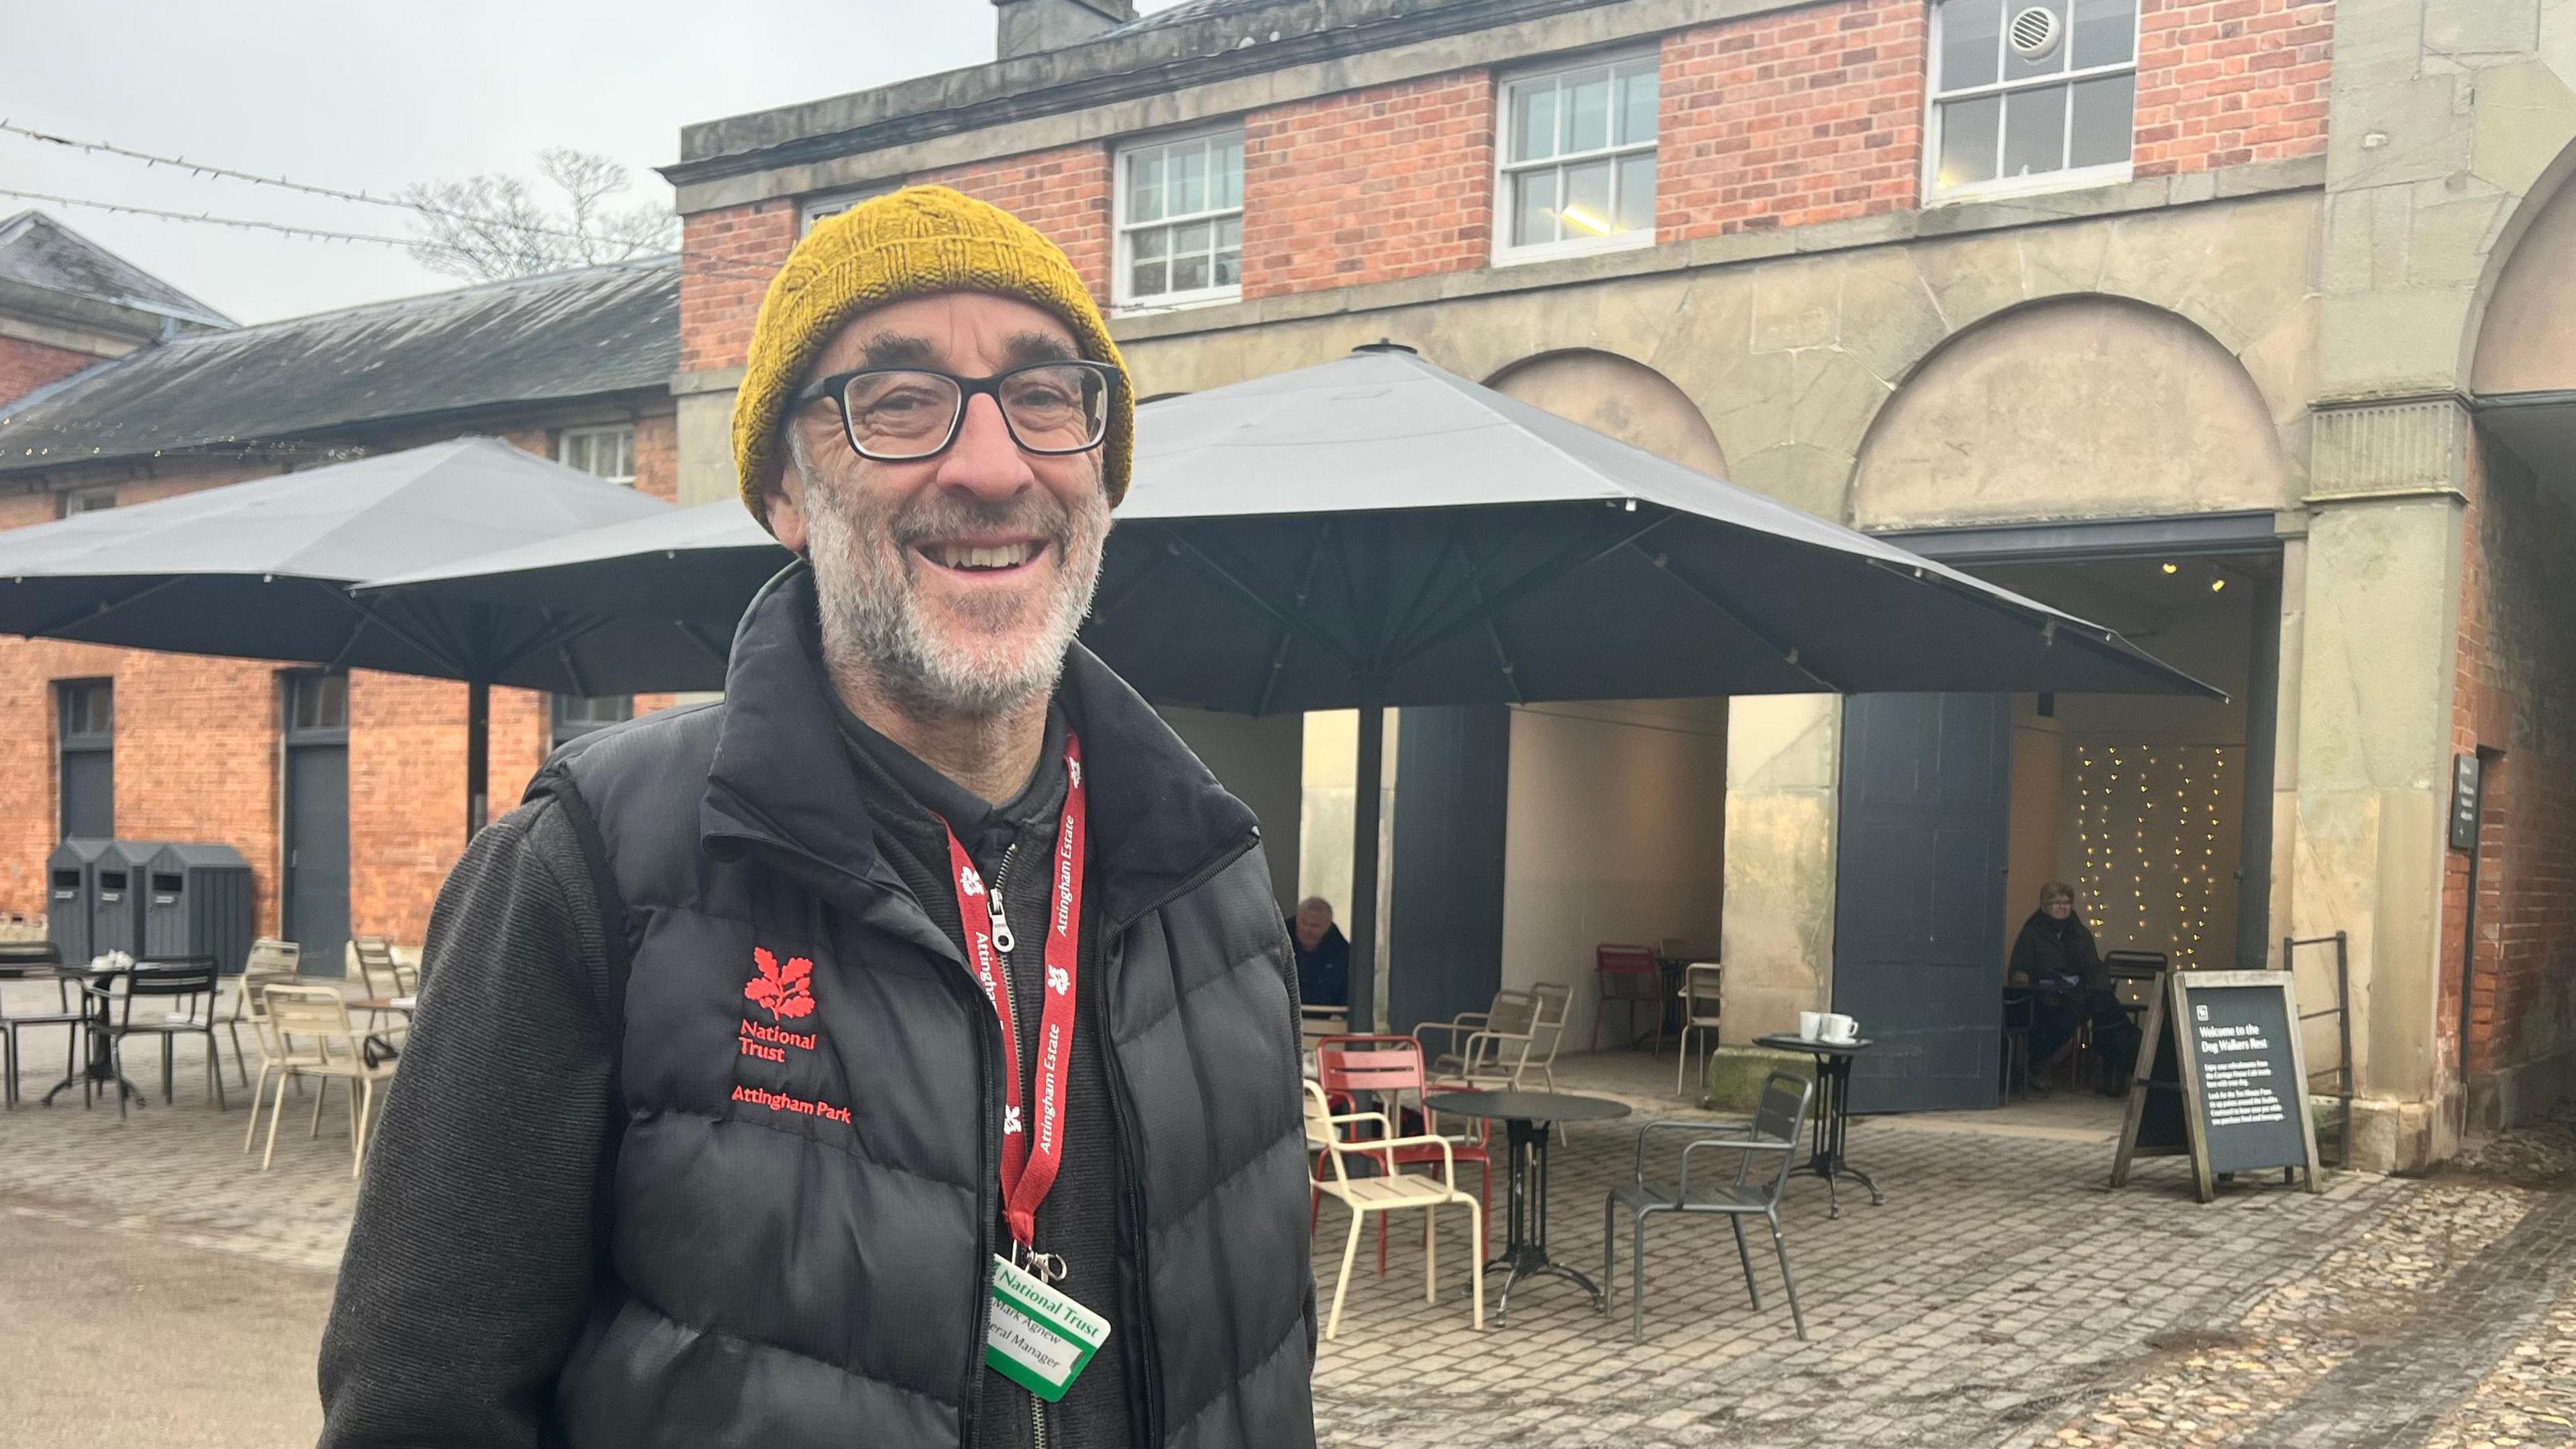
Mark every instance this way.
x=1027 y=1172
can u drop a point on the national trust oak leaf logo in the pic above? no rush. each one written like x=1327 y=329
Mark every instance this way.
x=786 y=991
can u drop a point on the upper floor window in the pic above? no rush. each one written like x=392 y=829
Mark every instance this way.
x=1180 y=221
x=87 y=500
x=1577 y=160
x=833 y=203
x=576 y=715
x=602 y=452
x=2031 y=95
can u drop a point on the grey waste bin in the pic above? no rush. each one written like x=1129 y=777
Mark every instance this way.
x=116 y=910
x=71 y=885
x=197 y=902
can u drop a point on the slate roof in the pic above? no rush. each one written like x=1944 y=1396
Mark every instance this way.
x=41 y=252
x=556 y=337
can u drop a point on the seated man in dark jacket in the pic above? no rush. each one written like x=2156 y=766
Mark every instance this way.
x=814 y=1066
x=1323 y=954
x=2055 y=958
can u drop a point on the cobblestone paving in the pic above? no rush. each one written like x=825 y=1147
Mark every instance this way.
x=176 y=1171
x=2003 y=1296
x=2450 y=1323
x=2001 y=1280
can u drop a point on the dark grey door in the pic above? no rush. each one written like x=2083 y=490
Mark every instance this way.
x=1918 y=898
x=86 y=718
x=1445 y=931
x=317 y=820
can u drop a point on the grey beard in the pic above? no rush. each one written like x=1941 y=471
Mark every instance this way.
x=872 y=625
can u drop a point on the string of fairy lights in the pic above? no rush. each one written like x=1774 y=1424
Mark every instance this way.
x=2153 y=828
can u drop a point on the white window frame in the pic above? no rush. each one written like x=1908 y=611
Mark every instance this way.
x=1504 y=253
x=1122 y=268
x=832 y=203
x=2074 y=178
x=88 y=500
x=564 y=445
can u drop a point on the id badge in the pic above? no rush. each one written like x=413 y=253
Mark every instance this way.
x=1039 y=1338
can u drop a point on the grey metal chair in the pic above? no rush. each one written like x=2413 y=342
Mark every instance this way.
x=1773 y=1133
x=189 y=982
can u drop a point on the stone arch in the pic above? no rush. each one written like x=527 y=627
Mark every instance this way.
x=2523 y=333
x=2073 y=407
x=1619 y=396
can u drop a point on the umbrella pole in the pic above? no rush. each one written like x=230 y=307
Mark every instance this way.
x=1364 y=832
x=478 y=754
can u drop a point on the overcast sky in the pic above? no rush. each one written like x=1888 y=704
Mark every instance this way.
x=370 y=97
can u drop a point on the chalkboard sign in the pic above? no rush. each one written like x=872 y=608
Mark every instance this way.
x=2221 y=1076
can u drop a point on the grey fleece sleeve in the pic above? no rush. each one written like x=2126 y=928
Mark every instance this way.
x=469 y=1266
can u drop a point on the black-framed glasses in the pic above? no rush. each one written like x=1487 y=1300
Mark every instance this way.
x=905 y=414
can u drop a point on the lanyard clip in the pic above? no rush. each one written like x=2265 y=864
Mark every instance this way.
x=1045 y=1267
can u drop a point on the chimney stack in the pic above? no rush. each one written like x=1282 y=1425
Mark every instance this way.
x=1030 y=26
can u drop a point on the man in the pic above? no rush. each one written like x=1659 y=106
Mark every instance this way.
x=1323 y=954
x=813 y=1067
x=2055 y=957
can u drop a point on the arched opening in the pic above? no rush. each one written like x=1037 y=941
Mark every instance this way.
x=2113 y=460
x=1611 y=394
x=2082 y=407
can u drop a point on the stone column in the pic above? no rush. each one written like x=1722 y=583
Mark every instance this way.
x=1784 y=756
x=2373 y=740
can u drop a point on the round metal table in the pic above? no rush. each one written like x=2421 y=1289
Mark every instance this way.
x=1833 y=1111
x=1526 y=1117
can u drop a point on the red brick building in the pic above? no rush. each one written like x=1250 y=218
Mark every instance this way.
x=575 y=366
x=2174 y=312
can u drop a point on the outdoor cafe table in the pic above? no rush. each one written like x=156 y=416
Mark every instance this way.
x=1526 y=1117
x=385 y=1006
x=94 y=983
x=1833 y=1111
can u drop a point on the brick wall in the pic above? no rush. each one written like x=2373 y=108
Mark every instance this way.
x=2231 y=82
x=1781 y=120
x=657 y=457
x=726 y=261
x=1369 y=186
x=1063 y=193
x=2515 y=692
x=1778 y=120
x=26 y=366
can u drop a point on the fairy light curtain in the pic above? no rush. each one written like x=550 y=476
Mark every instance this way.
x=2156 y=842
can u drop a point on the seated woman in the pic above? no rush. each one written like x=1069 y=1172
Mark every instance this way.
x=2055 y=959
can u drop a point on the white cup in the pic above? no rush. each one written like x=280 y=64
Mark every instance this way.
x=1839 y=1028
x=1809 y=1023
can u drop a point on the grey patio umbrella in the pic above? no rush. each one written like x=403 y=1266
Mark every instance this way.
x=638 y=607
x=260 y=570
x=1376 y=531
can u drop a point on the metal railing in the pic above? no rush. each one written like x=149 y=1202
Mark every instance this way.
x=2341 y=1011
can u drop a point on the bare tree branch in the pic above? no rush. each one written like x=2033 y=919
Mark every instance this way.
x=493 y=227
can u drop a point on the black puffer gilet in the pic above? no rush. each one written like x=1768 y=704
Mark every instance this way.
x=803 y=1196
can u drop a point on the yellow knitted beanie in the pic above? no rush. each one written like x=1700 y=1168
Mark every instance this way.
x=916 y=241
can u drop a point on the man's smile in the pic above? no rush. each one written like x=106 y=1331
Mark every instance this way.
x=983 y=559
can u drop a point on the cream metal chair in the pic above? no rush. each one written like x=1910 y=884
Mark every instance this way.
x=1699 y=997
x=1489 y=1049
x=271 y=962
x=309 y=1029
x=379 y=963
x=1390 y=1191
x=1555 y=1002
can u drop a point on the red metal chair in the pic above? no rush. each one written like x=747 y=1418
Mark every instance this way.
x=1391 y=1066
x=1632 y=977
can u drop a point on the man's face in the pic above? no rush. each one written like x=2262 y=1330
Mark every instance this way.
x=2059 y=910
x=1312 y=923
x=956 y=581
